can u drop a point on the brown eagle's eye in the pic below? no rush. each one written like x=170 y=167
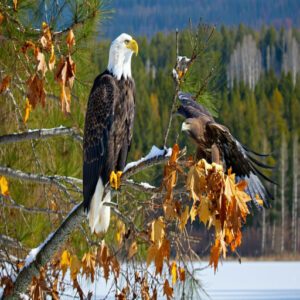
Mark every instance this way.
x=126 y=42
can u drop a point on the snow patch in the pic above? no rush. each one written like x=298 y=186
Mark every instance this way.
x=154 y=152
x=34 y=252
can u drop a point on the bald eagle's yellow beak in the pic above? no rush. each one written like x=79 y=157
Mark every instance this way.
x=133 y=45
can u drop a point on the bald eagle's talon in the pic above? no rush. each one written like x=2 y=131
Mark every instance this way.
x=115 y=179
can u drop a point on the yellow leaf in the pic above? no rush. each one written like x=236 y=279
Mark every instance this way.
x=28 y=109
x=158 y=231
x=70 y=39
x=193 y=213
x=65 y=261
x=132 y=249
x=120 y=232
x=168 y=291
x=184 y=218
x=75 y=266
x=4 y=186
x=174 y=272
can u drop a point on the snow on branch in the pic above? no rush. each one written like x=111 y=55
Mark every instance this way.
x=39 y=256
x=40 y=134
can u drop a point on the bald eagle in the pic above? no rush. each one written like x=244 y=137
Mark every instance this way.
x=108 y=129
x=216 y=144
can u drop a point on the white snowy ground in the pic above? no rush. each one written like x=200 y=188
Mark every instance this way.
x=232 y=281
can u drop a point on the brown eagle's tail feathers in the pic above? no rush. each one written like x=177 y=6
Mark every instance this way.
x=99 y=214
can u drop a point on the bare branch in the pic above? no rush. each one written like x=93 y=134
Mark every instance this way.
x=40 y=134
x=73 y=220
x=17 y=174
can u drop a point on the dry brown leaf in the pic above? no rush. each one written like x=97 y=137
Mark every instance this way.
x=168 y=290
x=15 y=2
x=132 y=249
x=46 y=39
x=4 y=186
x=52 y=59
x=5 y=84
x=151 y=253
x=88 y=265
x=184 y=218
x=70 y=39
x=41 y=65
x=35 y=91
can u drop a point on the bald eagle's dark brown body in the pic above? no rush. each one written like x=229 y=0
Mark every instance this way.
x=108 y=130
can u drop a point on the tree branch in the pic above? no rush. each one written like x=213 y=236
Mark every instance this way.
x=40 y=134
x=55 y=240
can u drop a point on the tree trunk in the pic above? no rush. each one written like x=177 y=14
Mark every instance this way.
x=282 y=184
x=295 y=193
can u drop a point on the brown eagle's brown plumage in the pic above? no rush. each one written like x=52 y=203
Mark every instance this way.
x=215 y=143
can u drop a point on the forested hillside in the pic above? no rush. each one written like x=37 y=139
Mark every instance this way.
x=149 y=17
x=254 y=90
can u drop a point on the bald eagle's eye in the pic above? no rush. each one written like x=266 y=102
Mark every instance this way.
x=126 y=42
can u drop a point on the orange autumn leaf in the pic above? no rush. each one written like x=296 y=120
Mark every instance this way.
x=4 y=186
x=5 y=84
x=132 y=250
x=46 y=39
x=214 y=255
x=70 y=39
x=41 y=65
x=168 y=290
x=28 y=109
x=181 y=274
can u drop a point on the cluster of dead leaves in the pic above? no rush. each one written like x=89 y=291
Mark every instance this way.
x=64 y=73
x=219 y=202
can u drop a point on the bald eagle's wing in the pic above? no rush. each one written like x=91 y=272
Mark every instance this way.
x=189 y=108
x=99 y=118
x=240 y=160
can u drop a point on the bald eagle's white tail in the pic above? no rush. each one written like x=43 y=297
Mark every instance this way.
x=99 y=214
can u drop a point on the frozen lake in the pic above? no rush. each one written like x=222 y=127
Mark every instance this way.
x=253 y=280
x=232 y=281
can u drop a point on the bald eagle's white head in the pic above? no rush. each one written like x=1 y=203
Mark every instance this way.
x=120 y=53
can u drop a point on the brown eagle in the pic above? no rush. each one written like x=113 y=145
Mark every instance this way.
x=108 y=130
x=216 y=144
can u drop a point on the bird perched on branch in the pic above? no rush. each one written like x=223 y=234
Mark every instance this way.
x=216 y=144
x=108 y=130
